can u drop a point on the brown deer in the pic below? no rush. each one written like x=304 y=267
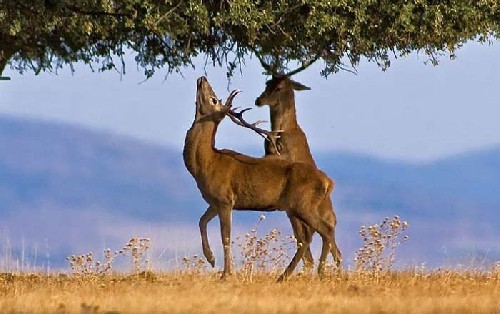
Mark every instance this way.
x=280 y=97
x=229 y=180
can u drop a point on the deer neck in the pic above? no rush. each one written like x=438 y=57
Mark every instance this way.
x=283 y=115
x=199 y=147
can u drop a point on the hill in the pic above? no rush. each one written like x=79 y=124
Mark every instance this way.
x=66 y=190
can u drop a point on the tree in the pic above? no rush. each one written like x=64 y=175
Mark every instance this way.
x=46 y=35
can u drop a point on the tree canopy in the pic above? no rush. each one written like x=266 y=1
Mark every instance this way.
x=44 y=35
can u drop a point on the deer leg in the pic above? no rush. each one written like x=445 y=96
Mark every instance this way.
x=325 y=249
x=337 y=255
x=332 y=219
x=325 y=228
x=302 y=235
x=329 y=246
x=225 y=229
x=308 y=258
x=209 y=214
x=301 y=248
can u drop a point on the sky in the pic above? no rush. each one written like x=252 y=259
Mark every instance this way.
x=413 y=112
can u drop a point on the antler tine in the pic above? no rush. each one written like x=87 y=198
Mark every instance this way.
x=304 y=65
x=229 y=100
x=237 y=117
x=267 y=67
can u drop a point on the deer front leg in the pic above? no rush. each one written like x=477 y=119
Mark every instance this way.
x=209 y=214
x=225 y=229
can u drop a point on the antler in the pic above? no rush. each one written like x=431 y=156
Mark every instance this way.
x=237 y=117
x=271 y=136
x=273 y=68
x=270 y=69
x=229 y=100
x=304 y=65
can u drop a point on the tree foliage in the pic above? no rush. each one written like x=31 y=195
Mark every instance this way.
x=42 y=35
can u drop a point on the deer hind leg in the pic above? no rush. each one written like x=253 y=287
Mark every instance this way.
x=329 y=244
x=336 y=254
x=325 y=249
x=302 y=247
x=303 y=235
x=308 y=259
x=209 y=214
x=325 y=228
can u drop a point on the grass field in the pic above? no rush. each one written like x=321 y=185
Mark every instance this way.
x=371 y=287
x=183 y=292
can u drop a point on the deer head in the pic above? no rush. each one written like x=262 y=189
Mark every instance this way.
x=207 y=103
x=278 y=88
x=208 y=106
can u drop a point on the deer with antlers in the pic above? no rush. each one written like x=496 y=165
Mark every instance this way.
x=292 y=144
x=229 y=180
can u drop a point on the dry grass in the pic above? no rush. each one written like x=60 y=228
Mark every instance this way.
x=398 y=292
x=373 y=287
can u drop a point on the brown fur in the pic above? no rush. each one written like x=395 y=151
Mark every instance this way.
x=228 y=180
x=280 y=97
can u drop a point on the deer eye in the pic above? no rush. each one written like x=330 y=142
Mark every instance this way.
x=214 y=101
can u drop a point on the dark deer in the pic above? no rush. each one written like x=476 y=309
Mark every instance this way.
x=229 y=180
x=280 y=97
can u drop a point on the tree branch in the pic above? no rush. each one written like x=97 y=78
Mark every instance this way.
x=164 y=16
x=304 y=66
x=77 y=10
x=6 y=52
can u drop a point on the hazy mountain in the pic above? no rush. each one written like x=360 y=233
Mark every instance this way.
x=67 y=190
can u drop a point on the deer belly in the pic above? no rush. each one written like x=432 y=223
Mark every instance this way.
x=255 y=200
x=270 y=209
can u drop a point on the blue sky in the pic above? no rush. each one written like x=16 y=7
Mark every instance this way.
x=412 y=112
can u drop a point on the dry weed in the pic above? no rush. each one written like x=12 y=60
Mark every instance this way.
x=268 y=253
x=136 y=249
x=194 y=265
x=378 y=253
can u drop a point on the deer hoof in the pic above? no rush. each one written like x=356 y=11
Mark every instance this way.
x=212 y=261
x=281 y=279
x=225 y=276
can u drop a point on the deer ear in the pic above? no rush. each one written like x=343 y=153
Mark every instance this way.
x=297 y=86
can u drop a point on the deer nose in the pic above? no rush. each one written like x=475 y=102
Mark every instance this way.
x=200 y=81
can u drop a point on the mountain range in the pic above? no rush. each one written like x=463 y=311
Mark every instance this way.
x=68 y=190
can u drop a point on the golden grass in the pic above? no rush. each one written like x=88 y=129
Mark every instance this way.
x=176 y=292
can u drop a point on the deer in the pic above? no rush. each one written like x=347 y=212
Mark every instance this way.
x=279 y=95
x=228 y=180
